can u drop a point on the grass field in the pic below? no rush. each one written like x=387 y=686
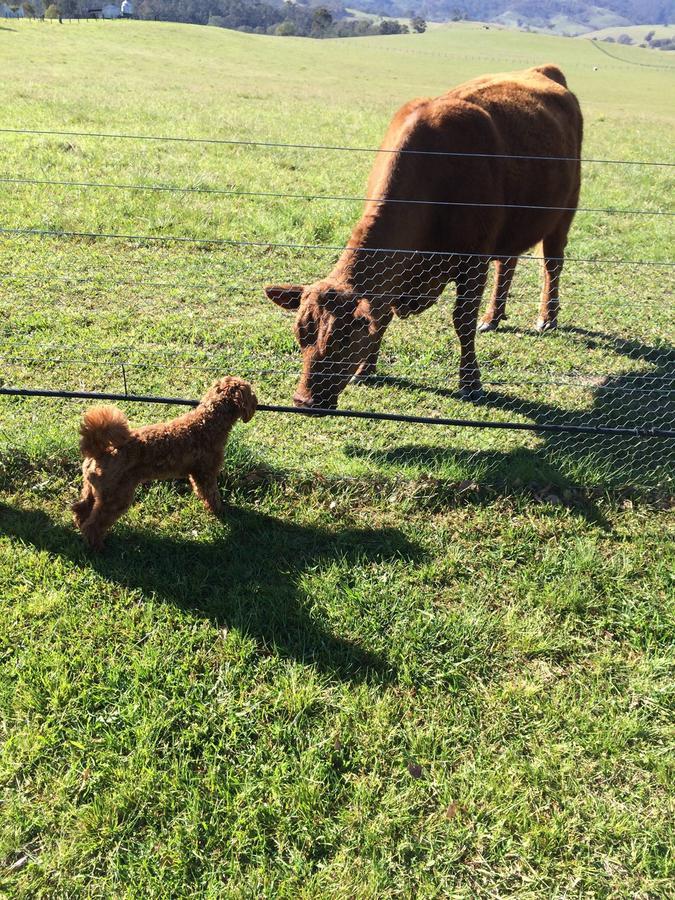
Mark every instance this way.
x=408 y=662
x=636 y=32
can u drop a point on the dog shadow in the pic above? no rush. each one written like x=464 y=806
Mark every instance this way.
x=248 y=578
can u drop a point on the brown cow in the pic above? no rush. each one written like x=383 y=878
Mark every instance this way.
x=459 y=180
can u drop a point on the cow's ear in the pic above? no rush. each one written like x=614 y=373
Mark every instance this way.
x=287 y=296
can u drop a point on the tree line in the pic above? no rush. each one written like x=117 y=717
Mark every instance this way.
x=310 y=18
x=280 y=17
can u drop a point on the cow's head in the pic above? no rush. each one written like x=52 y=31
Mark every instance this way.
x=336 y=332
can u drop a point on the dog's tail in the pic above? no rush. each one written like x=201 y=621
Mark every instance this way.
x=103 y=428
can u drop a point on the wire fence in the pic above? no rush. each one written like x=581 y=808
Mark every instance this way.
x=595 y=393
x=583 y=384
x=283 y=145
x=462 y=204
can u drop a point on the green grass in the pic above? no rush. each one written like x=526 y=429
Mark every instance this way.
x=408 y=662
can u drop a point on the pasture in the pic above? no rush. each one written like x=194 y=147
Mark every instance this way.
x=410 y=661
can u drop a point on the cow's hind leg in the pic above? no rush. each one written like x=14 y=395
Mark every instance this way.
x=553 y=251
x=470 y=287
x=496 y=309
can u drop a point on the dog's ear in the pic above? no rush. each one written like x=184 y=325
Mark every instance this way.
x=248 y=402
x=242 y=397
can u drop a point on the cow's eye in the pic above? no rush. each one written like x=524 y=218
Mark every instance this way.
x=306 y=332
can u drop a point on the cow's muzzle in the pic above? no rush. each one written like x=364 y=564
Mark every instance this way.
x=302 y=402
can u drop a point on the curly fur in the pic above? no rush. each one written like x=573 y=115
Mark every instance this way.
x=117 y=458
x=103 y=428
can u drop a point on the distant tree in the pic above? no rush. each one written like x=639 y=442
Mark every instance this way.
x=52 y=12
x=391 y=26
x=418 y=24
x=28 y=10
x=625 y=39
x=285 y=28
x=649 y=36
x=70 y=9
x=609 y=39
x=321 y=21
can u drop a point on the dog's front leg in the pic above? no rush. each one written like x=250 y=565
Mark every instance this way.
x=205 y=485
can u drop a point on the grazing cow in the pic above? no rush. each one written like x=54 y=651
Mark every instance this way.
x=459 y=180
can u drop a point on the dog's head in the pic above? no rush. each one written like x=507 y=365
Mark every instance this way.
x=234 y=393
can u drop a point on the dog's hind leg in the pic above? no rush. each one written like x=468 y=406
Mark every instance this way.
x=205 y=485
x=108 y=507
x=83 y=507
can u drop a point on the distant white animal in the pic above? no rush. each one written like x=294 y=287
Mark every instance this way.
x=595 y=68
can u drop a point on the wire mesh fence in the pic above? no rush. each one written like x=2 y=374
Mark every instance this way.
x=588 y=377
x=565 y=365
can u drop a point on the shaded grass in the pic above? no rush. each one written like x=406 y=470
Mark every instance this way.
x=451 y=700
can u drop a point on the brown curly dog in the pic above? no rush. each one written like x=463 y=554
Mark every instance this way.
x=117 y=458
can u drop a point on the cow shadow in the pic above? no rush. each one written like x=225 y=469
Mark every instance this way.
x=637 y=398
x=249 y=577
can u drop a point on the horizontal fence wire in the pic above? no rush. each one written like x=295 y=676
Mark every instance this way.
x=115 y=357
x=328 y=147
x=356 y=414
x=97 y=283
x=231 y=242
x=336 y=198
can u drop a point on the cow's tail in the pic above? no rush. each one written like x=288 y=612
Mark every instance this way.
x=103 y=428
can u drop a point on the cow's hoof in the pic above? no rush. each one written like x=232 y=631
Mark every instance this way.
x=544 y=325
x=364 y=378
x=471 y=393
x=484 y=327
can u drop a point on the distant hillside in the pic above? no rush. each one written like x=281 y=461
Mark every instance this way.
x=543 y=14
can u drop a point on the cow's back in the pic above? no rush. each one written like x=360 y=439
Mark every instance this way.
x=462 y=150
x=533 y=111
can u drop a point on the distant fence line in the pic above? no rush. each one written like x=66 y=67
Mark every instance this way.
x=330 y=147
x=160 y=188
x=388 y=49
x=229 y=242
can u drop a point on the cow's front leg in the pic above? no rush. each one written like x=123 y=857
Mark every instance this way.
x=496 y=309
x=470 y=287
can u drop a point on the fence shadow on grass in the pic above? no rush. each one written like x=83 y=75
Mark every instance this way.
x=247 y=578
x=639 y=399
